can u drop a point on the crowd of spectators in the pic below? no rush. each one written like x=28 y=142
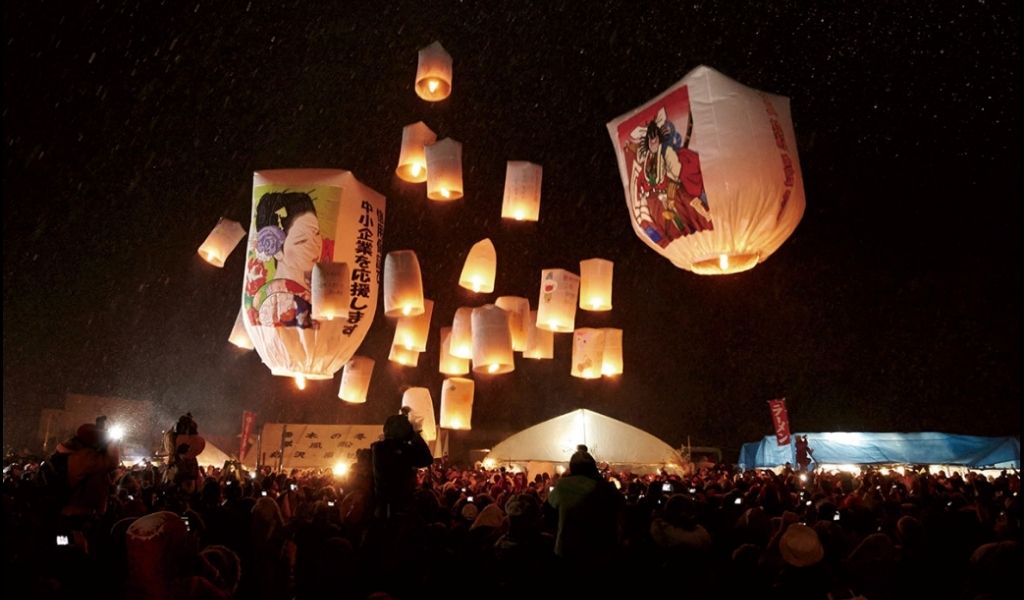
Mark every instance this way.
x=402 y=526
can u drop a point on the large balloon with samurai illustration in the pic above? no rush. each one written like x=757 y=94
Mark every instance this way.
x=711 y=173
x=301 y=217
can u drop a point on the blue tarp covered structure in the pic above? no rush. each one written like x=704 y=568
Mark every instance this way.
x=925 y=448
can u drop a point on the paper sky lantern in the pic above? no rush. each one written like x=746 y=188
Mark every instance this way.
x=239 y=336
x=301 y=217
x=518 y=310
x=540 y=343
x=403 y=284
x=478 y=271
x=412 y=162
x=422 y=414
x=492 y=341
x=444 y=170
x=462 y=333
x=449 y=364
x=587 y=353
x=556 y=309
x=403 y=356
x=355 y=379
x=522 y=191
x=711 y=173
x=611 y=358
x=596 y=284
x=457 y=403
x=411 y=332
x=221 y=242
x=434 y=73
x=329 y=288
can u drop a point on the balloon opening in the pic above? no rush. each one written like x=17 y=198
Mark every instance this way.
x=725 y=263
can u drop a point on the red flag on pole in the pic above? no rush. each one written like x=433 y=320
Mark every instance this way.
x=248 y=420
x=780 y=419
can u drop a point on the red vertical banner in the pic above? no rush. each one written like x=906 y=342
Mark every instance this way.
x=248 y=420
x=780 y=419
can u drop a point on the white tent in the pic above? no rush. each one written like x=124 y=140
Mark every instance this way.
x=212 y=456
x=609 y=441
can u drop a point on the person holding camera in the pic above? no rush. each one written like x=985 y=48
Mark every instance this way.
x=395 y=461
x=81 y=468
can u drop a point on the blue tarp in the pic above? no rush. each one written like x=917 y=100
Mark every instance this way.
x=926 y=448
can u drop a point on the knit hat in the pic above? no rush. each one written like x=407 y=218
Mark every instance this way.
x=470 y=512
x=800 y=546
x=397 y=427
x=89 y=435
x=582 y=462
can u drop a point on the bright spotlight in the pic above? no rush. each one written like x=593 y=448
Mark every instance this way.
x=116 y=432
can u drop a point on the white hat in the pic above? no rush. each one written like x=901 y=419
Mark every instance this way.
x=800 y=546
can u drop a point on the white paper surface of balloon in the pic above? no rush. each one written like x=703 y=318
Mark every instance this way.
x=299 y=217
x=710 y=173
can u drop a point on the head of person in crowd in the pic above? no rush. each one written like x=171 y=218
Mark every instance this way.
x=583 y=463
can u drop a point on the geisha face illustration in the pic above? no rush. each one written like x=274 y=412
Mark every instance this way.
x=302 y=247
x=288 y=244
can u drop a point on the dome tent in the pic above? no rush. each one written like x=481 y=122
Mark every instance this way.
x=610 y=441
x=212 y=456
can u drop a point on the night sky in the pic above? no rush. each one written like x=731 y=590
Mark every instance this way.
x=130 y=127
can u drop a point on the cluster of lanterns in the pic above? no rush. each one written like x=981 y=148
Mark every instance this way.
x=711 y=180
x=483 y=339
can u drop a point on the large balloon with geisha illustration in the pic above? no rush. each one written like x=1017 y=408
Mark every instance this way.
x=711 y=173
x=302 y=217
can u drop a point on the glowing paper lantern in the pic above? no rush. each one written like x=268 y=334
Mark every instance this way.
x=434 y=73
x=711 y=173
x=449 y=363
x=422 y=414
x=404 y=356
x=411 y=332
x=462 y=333
x=540 y=343
x=611 y=359
x=596 y=284
x=412 y=162
x=481 y=263
x=457 y=403
x=556 y=309
x=444 y=170
x=239 y=336
x=355 y=379
x=403 y=284
x=329 y=288
x=518 y=310
x=301 y=217
x=492 y=341
x=221 y=242
x=522 y=191
x=587 y=353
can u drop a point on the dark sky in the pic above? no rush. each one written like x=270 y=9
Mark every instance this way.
x=130 y=127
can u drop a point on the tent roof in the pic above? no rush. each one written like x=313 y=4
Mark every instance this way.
x=609 y=440
x=212 y=455
x=927 y=447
